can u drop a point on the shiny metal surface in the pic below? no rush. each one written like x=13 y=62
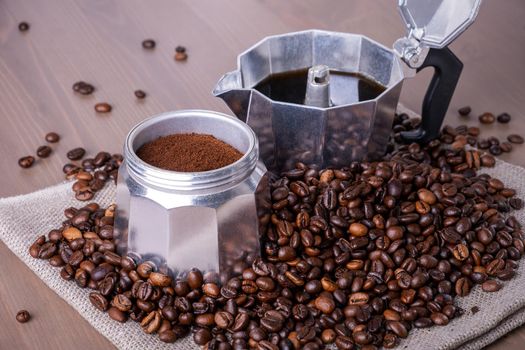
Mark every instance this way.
x=436 y=23
x=332 y=136
x=318 y=87
x=209 y=220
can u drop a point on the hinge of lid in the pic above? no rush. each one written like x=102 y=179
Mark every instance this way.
x=409 y=48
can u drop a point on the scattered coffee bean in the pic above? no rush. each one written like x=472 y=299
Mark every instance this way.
x=26 y=162
x=43 y=151
x=103 y=107
x=464 y=111
x=504 y=118
x=149 y=44
x=76 y=153
x=23 y=26
x=506 y=147
x=487 y=118
x=140 y=94
x=515 y=139
x=180 y=53
x=23 y=316
x=52 y=137
x=83 y=88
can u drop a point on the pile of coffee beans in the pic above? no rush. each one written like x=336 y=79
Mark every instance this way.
x=355 y=257
x=91 y=174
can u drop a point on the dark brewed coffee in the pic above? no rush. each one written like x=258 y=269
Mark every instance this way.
x=345 y=87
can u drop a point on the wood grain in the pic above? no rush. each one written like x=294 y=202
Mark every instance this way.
x=99 y=41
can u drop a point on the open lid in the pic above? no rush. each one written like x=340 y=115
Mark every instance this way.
x=436 y=23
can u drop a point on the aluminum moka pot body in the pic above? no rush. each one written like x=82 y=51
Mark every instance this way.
x=322 y=136
x=208 y=220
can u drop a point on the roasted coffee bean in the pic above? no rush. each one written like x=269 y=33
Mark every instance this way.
x=462 y=286
x=180 y=53
x=117 y=315
x=43 y=151
x=23 y=26
x=168 y=336
x=98 y=301
x=83 y=88
x=195 y=279
x=223 y=319
x=103 y=107
x=149 y=44
x=324 y=304
x=464 y=111
x=272 y=321
x=76 y=153
x=491 y=286
x=513 y=138
x=23 y=316
x=52 y=137
x=487 y=118
x=505 y=147
x=504 y=118
x=26 y=162
x=202 y=336
x=151 y=323
x=140 y=94
x=159 y=279
x=81 y=278
x=495 y=150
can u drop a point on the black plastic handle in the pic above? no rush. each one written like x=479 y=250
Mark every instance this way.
x=447 y=70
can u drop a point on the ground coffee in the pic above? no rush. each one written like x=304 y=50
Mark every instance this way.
x=188 y=152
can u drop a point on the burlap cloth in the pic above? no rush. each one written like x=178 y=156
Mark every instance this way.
x=23 y=218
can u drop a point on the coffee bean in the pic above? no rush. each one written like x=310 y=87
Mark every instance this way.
x=151 y=323
x=487 y=118
x=103 y=107
x=23 y=316
x=202 y=336
x=140 y=94
x=83 y=88
x=272 y=321
x=98 y=301
x=43 y=151
x=223 y=319
x=26 y=162
x=495 y=150
x=180 y=53
x=324 y=304
x=491 y=286
x=149 y=44
x=159 y=279
x=117 y=315
x=513 y=138
x=23 y=26
x=505 y=147
x=504 y=118
x=462 y=286
x=76 y=153
x=52 y=137
x=168 y=336
x=464 y=111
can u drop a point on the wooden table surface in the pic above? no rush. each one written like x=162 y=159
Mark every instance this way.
x=100 y=42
